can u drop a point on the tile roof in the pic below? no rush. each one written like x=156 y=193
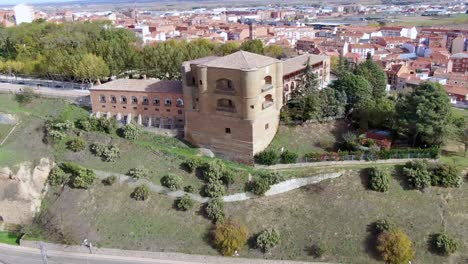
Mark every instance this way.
x=299 y=62
x=240 y=60
x=138 y=85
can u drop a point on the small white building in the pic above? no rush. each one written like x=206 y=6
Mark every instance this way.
x=23 y=14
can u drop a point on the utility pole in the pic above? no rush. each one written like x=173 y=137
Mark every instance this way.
x=43 y=252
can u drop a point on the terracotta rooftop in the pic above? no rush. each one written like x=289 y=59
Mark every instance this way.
x=138 y=85
x=240 y=60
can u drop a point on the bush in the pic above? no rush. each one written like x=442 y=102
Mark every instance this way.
x=76 y=145
x=446 y=175
x=80 y=177
x=214 y=189
x=110 y=180
x=288 y=157
x=141 y=193
x=193 y=163
x=106 y=153
x=173 y=182
x=395 y=247
x=26 y=96
x=131 y=131
x=63 y=126
x=188 y=189
x=138 y=172
x=229 y=236
x=102 y=124
x=261 y=184
x=444 y=244
x=266 y=157
x=57 y=177
x=56 y=135
x=215 y=210
x=185 y=203
x=378 y=179
x=384 y=225
x=267 y=239
x=319 y=249
x=417 y=174
x=216 y=170
x=84 y=124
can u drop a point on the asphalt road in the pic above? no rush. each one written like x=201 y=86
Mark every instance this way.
x=23 y=255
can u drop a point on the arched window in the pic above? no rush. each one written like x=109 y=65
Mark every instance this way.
x=225 y=86
x=168 y=101
x=102 y=98
x=145 y=100
x=292 y=85
x=226 y=105
x=134 y=100
x=286 y=87
x=123 y=99
x=268 y=101
x=113 y=99
x=268 y=80
x=155 y=101
x=180 y=102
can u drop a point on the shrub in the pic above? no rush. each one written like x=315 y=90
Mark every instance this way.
x=395 y=247
x=417 y=174
x=384 y=225
x=215 y=210
x=378 y=179
x=288 y=157
x=110 y=180
x=185 y=203
x=76 y=145
x=188 y=189
x=229 y=236
x=173 y=182
x=261 y=184
x=446 y=175
x=26 y=96
x=266 y=157
x=267 y=239
x=138 y=172
x=80 y=177
x=214 y=189
x=56 y=135
x=131 y=131
x=319 y=249
x=84 y=124
x=102 y=124
x=57 y=176
x=106 y=153
x=63 y=126
x=141 y=193
x=193 y=163
x=350 y=141
x=444 y=244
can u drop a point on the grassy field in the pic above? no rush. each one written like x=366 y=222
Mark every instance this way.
x=4 y=130
x=309 y=138
x=9 y=238
x=335 y=212
x=426 y=21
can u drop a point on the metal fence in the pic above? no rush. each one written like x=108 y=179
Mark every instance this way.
x=363 y=157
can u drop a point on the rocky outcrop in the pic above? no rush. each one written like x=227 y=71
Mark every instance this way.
x=21 y=192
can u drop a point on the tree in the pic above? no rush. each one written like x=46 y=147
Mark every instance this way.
x=230 y=236
x=228 y=48
x=274 y=51
x=375 y=75
x=254 y=46
x=357 y=89
x=91 y=68
x=395 y=247
x=333 y=103
x=424 y=115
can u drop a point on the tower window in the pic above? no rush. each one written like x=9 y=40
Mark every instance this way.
x=228 y=130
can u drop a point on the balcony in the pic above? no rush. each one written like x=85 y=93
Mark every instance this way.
x=267 y=104
x=267 y=87
x=226 y=109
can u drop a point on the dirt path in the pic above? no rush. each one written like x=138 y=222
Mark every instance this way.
x=275 y=189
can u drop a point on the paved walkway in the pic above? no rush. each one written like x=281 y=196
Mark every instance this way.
x=55 y=92
x=275 y=189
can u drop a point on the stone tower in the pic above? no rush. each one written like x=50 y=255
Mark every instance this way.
x=233 y=103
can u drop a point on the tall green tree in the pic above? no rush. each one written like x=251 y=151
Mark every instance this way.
x=254 y=46
x=375 y=75
x=357 y=89
x=274 y=51
x=227 y=48
x=91 y=68
x=424 y=115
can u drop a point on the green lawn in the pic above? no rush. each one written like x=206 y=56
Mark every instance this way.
x=426 y=21
x=9 y=238
x=336 y=212
x=4 y=130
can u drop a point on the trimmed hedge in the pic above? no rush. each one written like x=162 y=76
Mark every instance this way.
x=266 y=157
x=379 y=179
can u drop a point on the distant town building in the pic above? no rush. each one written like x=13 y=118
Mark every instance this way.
x=23 y=14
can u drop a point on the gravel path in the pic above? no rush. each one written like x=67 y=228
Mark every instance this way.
x=275 y=189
